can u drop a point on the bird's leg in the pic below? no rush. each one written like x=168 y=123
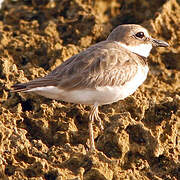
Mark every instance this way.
x=93 y=114
x=91 y=135
x=98 y=119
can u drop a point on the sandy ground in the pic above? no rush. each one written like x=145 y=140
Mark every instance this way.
x=48 y=139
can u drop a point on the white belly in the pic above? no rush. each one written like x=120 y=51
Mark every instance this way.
x=99 y=95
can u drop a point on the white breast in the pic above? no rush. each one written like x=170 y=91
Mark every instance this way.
x=100 y=95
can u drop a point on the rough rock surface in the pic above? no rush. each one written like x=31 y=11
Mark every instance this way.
x=47 y=139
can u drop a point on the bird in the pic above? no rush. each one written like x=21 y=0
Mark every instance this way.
x=104 y=73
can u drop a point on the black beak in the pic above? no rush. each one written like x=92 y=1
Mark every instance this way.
x=159 y=43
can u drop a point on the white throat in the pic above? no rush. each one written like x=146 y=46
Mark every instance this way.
x=142 y=49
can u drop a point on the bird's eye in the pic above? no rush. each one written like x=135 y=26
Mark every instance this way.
x=139 y=35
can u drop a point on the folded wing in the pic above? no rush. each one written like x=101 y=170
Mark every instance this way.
x=103 y=64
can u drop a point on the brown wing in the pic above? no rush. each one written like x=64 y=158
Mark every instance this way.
x=104 y=64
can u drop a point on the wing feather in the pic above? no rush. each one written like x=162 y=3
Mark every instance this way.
x=103 y=64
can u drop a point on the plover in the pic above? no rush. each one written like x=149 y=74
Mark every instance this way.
x=104 y=73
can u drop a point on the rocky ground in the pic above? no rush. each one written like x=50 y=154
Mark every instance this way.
x=47 y=139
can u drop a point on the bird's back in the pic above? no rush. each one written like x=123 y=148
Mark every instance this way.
x=103 y=64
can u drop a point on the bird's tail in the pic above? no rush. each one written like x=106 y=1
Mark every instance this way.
x=22 y=87
x=28 y=86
